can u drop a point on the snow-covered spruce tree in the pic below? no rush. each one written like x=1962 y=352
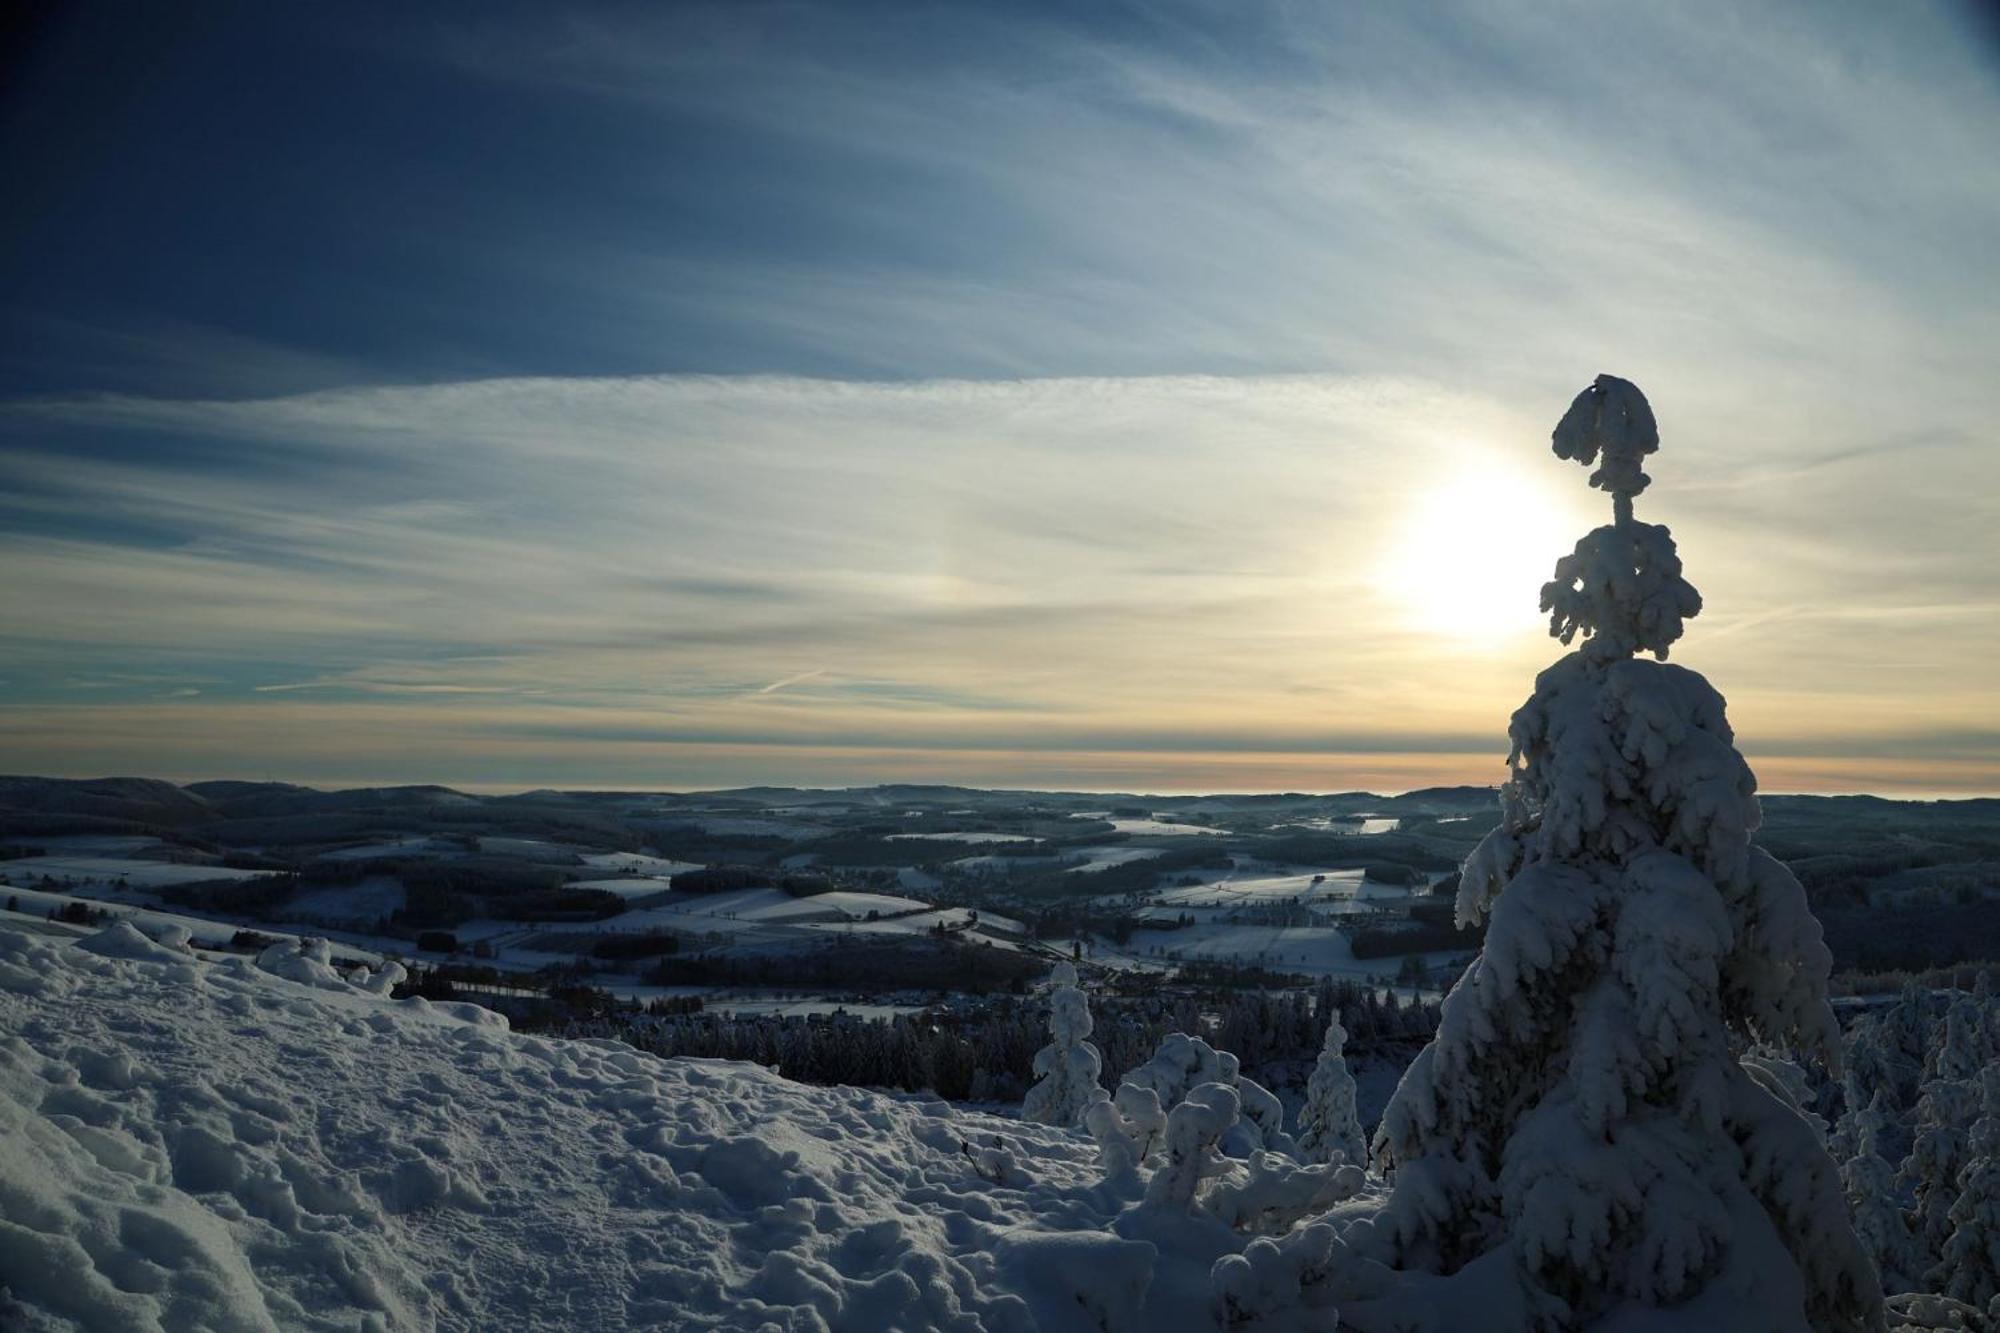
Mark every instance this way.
x=1880 y=1225
x=1904 y=1036
x=1581 y=1118
x=1945 y=1114
x=1329 y=1126
x=1961 y=1050
x=1068 y=1066
x=1870 y=1183
x=1969 y=1268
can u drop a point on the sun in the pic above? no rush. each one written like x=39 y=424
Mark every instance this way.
x=1472 y=553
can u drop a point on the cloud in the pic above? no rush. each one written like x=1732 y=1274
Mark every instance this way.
x=1176 y=566
x=787 y=681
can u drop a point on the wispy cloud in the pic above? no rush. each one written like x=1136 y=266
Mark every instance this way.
x=788 y=681
x=921 y=541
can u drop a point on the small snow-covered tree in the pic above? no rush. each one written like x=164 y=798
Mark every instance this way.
x=1068 y=1066
x=1329 y=1126
x=1945 y=1112
x=1194 y=1129
x=1581 y=1115
x=1866 y=1129
x=1879 y=1223
x=1969 y=1266
x=1961 y=1050
x=1903 y=1037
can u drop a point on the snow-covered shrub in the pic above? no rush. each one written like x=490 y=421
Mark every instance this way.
x=122 y=939
x=994 y=1160
x=1270 y=1193
x=1581 y=1107
x=1183 y=1063
x=1067 y=1068
x=308 y=961
x=1271 y=1286
x=1329 y=1125
x=1927 y=1312
x=378 y=981
x=1180 y=1064
x=1127 y=1126
x=1189 y=1155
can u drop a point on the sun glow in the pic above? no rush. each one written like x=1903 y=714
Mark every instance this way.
x=1474 y=552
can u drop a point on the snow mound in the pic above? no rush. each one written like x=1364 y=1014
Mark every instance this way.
x=213 y=1145
x=124 y=940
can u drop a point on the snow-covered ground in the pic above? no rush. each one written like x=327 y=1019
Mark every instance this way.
x=197 y=1145
x=963 y=837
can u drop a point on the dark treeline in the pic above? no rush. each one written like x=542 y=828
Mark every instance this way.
x=987 y=1055
x=935 y=963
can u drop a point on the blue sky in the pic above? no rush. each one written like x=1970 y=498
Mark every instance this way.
x=1117 y=396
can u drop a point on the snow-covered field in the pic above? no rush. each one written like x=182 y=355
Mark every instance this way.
x=1096 y=858
x=1161 y=826
x=109 y=870
x=1318 y=888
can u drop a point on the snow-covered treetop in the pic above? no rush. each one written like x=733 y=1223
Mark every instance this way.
x=1612 y=419
x=1621 y=588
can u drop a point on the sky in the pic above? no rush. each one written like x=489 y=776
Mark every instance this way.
x=1142 y=396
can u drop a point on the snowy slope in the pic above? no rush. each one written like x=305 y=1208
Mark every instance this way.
x=196 y=1144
